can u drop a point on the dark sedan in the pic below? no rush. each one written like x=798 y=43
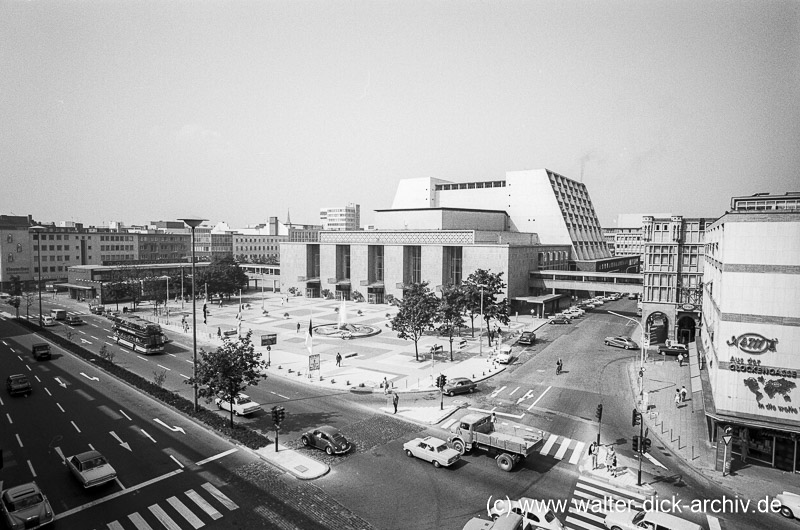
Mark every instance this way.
x=559 y=320
x=18 y=384
x=621 y=342
x=328 y=439
x=459 y=385
x=528 y=338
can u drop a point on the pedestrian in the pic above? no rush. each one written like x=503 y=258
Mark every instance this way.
x=338 y=359
x=683 y=394
x=593 y=454
x=677 y=398
x=680 y=359
x=395 y=401
x=219 y=332
x=385 y=386
x=611 y=460
x=298 y=328
x=281 y=301
x=559 y=366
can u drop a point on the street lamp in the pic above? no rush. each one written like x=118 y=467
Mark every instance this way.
x=641 y=357
x=166 y=304
x=38 y=230
x=194 y=223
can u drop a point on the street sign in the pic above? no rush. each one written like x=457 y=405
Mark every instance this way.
x=724 y=452
x=269 y=339
x=313 y=362
x=727 y=439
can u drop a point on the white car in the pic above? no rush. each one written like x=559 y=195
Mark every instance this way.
x=432 y=450
x=639 y=519
x=535 y=514
x=48 y=321
x=504 y=354
x=242 y=405
x=790 y=504
x=91 y=469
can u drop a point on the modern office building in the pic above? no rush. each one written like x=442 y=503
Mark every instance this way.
x=673 y=276
x=341 y=217
x=751 y=327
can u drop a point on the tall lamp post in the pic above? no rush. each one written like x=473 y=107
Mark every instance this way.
x=641 y=356
x=194 y=223
x=38 y=231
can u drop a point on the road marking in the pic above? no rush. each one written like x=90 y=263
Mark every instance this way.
x=117 y=438
x=515 y=416
x=187 y=514
x=139 y=522
x=60 y=407
x=173 y=429
x=528 y=394
x=76 y=427
x=95 y=338
x=576 y=453
x=281 y=395
x=226 y=502
x=30 y=466
x=216 y=457
x=145 y=433
x=512 y=392
x=90 y=378
x=176 y=460
x=184 y=376
x=8 y=417
x=653 y=460
x=549 y=444
x=609 y=486
x=540 y=397
x=163 y=518
x=572 y=520
x=164 y=367
x=563 y=449
x=494 y=394
x=123 y=413
x=114 y=525
x=713 y=522
x=204 y=505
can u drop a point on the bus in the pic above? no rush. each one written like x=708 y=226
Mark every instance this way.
x=138 y=334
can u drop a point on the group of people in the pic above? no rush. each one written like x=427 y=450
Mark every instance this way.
x=680 y=396
x=611 y=456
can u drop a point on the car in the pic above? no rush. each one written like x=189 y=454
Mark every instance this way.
x=91 y=469
x=789 y=504
x=242 y=405
x=528 y=338
x=25 y=507
x=504 y=354
x=535 y=514
x=327 y=438
x=577 y=310
x=432 y=450
x=559 y=320
x=639 y=519
x=40 y=350
x=97 y=309
x=48 y=321
x=74 y=320
x=621 y=342
x=597 y=301
x=510 y=522
x=18 y=384
x=459 y=385
x=671 y=347
x=632 y=296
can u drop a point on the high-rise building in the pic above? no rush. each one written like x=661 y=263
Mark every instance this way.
x=341 y=218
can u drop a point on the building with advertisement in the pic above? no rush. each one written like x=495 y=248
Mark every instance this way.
x=751 y=327
x=672 y=269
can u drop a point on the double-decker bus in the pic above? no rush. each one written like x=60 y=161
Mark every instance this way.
x=138 y=334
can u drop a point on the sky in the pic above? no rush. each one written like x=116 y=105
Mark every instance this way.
x=237 y=111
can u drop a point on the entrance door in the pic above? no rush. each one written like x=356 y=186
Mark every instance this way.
x=785 y=454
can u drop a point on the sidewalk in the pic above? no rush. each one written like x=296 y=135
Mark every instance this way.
x=682 y=430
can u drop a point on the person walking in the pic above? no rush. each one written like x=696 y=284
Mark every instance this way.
x=559 y=366
x=684 y=392
x=680 y=360
x=385 y=386
x=219 y=332
x=593 y=454
x=611 y=460
x=298 y=328
x=395 y=401
x=338 y=359
x=677 y=398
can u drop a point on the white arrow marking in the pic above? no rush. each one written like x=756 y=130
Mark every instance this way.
x=516 y=416
x=145 y=433
x=117 y=438
x=60 y=454
x=85 y=341
x=528 y=394
x=653 y=460
x=63 y=385
x=90 y=378
x=173 y=429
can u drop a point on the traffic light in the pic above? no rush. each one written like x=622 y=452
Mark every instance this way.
x=646 y=443
x=635 y=443
x=275 y=416
x=442 y=380
x=281 y=414
x=599 y=412
x=636 y=418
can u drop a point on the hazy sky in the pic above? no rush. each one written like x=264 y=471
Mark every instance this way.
x=237 y=111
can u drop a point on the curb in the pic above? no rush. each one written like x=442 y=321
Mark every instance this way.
x=325 y=468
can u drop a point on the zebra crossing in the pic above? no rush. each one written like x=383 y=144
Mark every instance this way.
x=591 y=501
x=192 y=510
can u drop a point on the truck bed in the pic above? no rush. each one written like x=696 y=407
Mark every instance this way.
x=510 y=443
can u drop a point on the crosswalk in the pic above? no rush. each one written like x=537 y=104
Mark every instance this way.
x=191 y=510
x=591 y=501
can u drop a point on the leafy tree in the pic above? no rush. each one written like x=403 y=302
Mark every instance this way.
x=223 y=276
x=16 y=285
x=14 y=301
x=416 y=314
x=450 y=311
x=28 y=297
x=228 y=370
x=493 y=286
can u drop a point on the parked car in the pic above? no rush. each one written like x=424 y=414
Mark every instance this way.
x=48 y=321
x=790 y=504
x=504 y=354
x=242 y=405
x=528 y=338
x=509 y=522
x=40 y=350
x=672 y=347
x=577 y=310
x=327 y=438
x=18 y=384
x=97 y=309
x=74 y=320
x=632 y=296
x=621 y=342
x=636 y=520
x=459 y=385
x=91 y=469
x=535 y=514
x=559 y=320
x=25 y=507
x=432 y=450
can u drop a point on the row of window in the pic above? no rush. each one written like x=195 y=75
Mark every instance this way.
x=115 y=247
x=52 y=269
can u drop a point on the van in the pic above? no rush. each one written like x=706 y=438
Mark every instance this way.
x=636 y=520
x=58 y=314
x=40 y=350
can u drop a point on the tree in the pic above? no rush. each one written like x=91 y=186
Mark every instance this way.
x=416 y=315
x=28 y=298
x=493 y=308
x=450 y=311
x=223 y=276
x=14 y=301
x=228 y=370
x=16 y=285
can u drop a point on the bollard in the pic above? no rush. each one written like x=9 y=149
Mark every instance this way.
x=348 y=382
x=333 y=381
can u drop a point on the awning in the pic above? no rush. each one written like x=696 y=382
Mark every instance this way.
x=75 y=286
x=749 y=422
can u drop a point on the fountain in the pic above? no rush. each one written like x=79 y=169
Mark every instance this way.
x=344 y=329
